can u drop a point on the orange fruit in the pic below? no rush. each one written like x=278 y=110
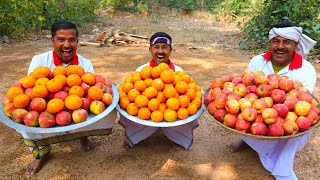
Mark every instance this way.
x=135 y=76
x=59 y=70
x=156 y=71
x=42 y=81
x=144 y=113
x=28 y=82
x=167 y=76
x=158 y=84
x=173 y=103
x=55 y=105
x=191 y=93
x=21 y=101
x=75 y=69
x=186 y=78
x=132 y=109
x=154 y=104
x=76 y=90
x=180 y=73
x=122 y=95
x=140 y=85
x=73 y=102
x=168 y=85
x=169 y=92
x=73 y=80
x=95 y=93
x=197 y=101
x=40 y=71
x=192 y=109
x=40 y=91
x=148 y=82
x=162 y=107
x=161 y=97
x=126 y=87
x=124 y=102
x=127 y=79
x=13 y=92
x=164 y=66
x=177 y=79
x=182 y=113
x=181 y=87
x=170 y=115
x=184 y=101
x=157 y=116
x=199 y=94
x=132 y=94
x=54 y=85
x=88 y=78
x=119 y=88
x=145 y=72
x=62 y=79
x=192 y=86
x=150 y=92
x=141 y=101
x=198 y=88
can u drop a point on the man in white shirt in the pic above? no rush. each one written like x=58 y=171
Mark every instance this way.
x=160 y=50
x=287 y=46
x=64 y=40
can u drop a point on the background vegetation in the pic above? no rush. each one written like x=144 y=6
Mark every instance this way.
x=18 y=17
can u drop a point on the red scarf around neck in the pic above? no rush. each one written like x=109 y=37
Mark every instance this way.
x=171 y=65
x=57 y=61
x=296 y=62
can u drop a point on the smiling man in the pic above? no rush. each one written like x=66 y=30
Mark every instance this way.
x=64 y=41
x=160 y=50
x=287 y=46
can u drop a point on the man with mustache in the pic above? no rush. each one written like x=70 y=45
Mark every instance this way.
x=65 y=41
x=287 y=47
x=160 y=50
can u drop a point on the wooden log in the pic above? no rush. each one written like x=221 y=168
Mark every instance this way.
x=90 y=44
x=137 y=36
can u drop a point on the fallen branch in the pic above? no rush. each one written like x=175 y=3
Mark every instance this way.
x=90 y=44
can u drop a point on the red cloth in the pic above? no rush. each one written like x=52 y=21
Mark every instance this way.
x=171 y=65
x=296 y=62
x=57 y=61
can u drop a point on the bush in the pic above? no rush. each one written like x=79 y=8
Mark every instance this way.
x=19 y=17
x=303 y=13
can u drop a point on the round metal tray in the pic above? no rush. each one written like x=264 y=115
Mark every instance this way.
x=56 y=129
x=257 y=136
x=159 y=124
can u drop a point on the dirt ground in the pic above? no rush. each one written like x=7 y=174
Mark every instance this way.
x=204 y=49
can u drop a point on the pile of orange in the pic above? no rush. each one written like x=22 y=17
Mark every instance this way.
x=159 y=94
x=44 y=83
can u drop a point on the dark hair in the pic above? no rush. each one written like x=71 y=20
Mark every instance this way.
x=160 y=34
x=284 y=24
x=63 y=25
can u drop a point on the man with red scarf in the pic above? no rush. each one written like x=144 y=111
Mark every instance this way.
x=64 y=40
x=160 y=50
x=287 y=49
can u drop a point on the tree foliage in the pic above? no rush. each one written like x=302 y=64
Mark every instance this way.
x=20 y=16
x=304 y=13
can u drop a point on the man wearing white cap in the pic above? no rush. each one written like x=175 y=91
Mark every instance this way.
x=287 y=47
x=160 y=50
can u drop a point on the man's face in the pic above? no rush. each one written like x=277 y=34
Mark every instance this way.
x=160 y=53
x=65 y=44
x=282 y=51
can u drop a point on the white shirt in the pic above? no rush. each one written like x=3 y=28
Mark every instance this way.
x=46 y=59
x=306 y=74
